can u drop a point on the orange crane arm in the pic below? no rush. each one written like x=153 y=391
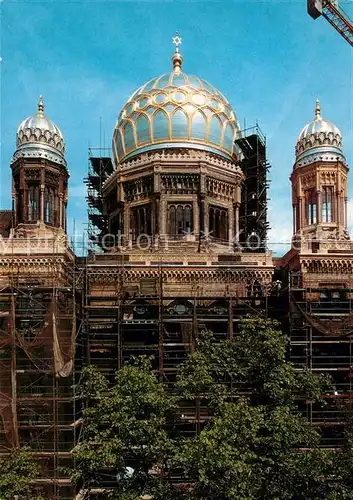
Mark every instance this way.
x=334 y=15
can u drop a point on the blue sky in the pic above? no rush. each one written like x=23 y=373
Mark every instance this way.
x=269 y=58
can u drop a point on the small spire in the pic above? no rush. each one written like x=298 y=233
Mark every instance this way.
x=177 y=58
x=40 y=106
x=317 y=109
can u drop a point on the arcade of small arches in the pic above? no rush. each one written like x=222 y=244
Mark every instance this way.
x=324 y=206
x=182 y=219
x=40 y=195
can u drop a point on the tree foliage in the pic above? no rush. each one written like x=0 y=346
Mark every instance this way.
x=18 y=471
x=125 y=440
x=253 y=443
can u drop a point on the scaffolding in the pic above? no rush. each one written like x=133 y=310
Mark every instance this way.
x=100 y=167
x=39 y=329
x=253 y=210
x=321 y=333
x=125 y=319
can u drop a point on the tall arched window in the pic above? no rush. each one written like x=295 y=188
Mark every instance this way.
x=180 y=219
x=33 y=202
x=141 y=221
x=172 y=219
x=311 y=216
x=215 y=130
x=49 y=197
x=198 y=126
x=327 y=195
x=179 y=124
x=228 y=137
x=143 y=129
x=218 y=223
x=188 y=219
x=129 y=137
x=161 y=126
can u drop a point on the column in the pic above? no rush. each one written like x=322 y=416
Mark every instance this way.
x=294 y=218
x=338 y=208
x=61 y=215
x=42 y=202
x=156 y=226
x=319 y=207
x=126 y=223
x=163 y=216
x=196 y=217
x=231 y=225
x=206 y=217
x=236 y=222
x=342 y=209
x=302 y=211
x=202 y=216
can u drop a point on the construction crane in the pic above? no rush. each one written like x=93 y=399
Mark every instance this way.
x=335 y=16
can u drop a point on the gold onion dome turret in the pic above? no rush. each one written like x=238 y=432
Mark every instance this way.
x=39 y=137
x=319 y=140
x=175 y=110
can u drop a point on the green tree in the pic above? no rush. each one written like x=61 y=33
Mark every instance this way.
x=124 y=436
x=18 y=471
x=253 y=443
x=252 y=446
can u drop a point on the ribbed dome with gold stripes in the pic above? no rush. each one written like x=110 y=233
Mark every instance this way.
x=175 y=110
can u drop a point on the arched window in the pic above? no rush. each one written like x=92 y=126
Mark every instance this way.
x=188 y=219
x=33 y=203
x=327 y=195
x=215 y=131
x=223 y=233
x=143 y=130
x=119 y=144
x=129 y=138
x=141 y=221
x=311 y=216
x=198 y=126
x=49 y=198
x=179 y=124
x=228 y=137
x=180 y=219
x=218 y=223
x=172 y=219
x=160 y=126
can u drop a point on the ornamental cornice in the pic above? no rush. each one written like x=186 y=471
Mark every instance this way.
x=179 y=275
x=333 y=266
x=321 y=157
x=8 y=262
x=39 y=152
x=181 y=156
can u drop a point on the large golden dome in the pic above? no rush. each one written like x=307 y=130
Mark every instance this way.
x=175 y=110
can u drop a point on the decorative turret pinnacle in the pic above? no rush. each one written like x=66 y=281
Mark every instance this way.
x=177 y=58
x=318 y=109
x=40 y=106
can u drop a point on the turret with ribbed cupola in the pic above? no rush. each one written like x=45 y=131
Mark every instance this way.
x=319 y=187
x=40 y=175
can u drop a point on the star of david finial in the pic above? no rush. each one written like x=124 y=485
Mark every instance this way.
x=177 y=41
x=177 y=58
